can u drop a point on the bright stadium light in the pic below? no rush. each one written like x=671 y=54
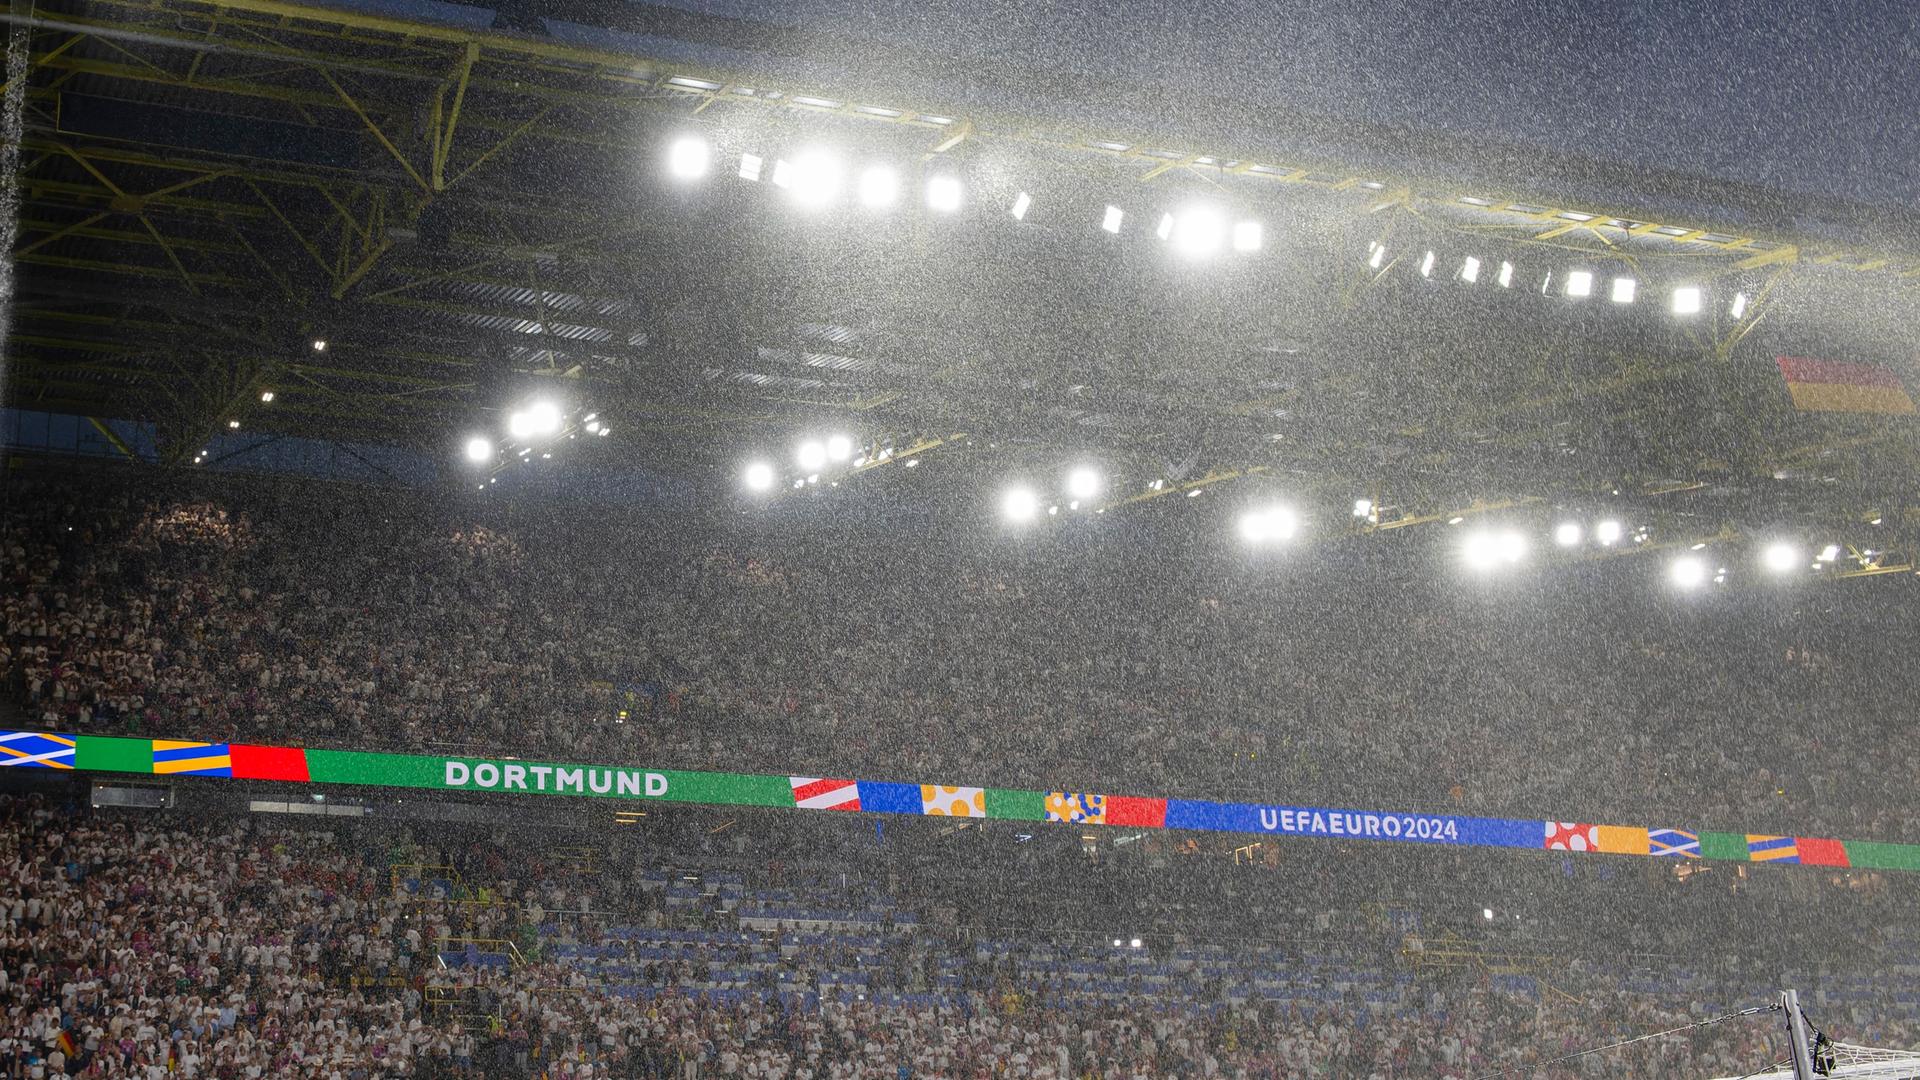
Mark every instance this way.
x=758 y=476
x=1268 y=524
x=750 y=165
x=1624 y=289
x=1020 y=505
x=266 y=396
x=1426 y=264
x=879 y=187
x=1780 y=557
x=1198 y=231
x=1607 y=533
x=944 y=194
x=1567 y=534
x=1362 y=507
x=1486 y=551
x=1246 y=236
x=1021 y=204
x=1687 y=300
x=1110 y=222
x=1164 y=230
x=811 y=456
x=1135 y=943
x=1470 y=270
x=543 y=418
x=1830 y=553
x=1687 y=572
x=1379 y=256
x=1506 y=275
x=1739 y=305
x=839 y=448
x=1580 y=283
x=687 y=159
x=1083 y=483
x=1486 y=913
x=479 y=450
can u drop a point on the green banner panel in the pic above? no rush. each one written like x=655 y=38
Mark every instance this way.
x=383 y=770
x=1723 y=845
x=730 y=789
x=1883 y=856
x=110 y=754
x=1016 y=805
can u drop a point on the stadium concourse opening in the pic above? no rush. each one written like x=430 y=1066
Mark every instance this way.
x=551 y=540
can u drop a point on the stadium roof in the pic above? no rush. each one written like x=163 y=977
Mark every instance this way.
x=468 y=205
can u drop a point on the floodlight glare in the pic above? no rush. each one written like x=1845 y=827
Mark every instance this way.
x=1246 y=236
x=1624 y=289
x=1198 y=231
x=1426 y=265
x=1580 y=283
x=1362 y=507
x=1136 y=943
x=1268 y=524
x=1780 y=557
x=479 y=450
x=688 y=158
x=839 y=448
x=750 y=166
x=543 y=418
x=943 y=194
x=1687 y=572
x=1687 y=300
x=1021 y=203
x=1020 y=504
x=879 y=187
x=1111 y=221
x=813 y=178
x=1830 y=553
x=1607 y=532
x=1470 y=270
x=1083 y=483
x=1567 y=534
x=1739 y=305
x=758 y=476
x=1379 y=256
x=1486 y=551
x=811 y=456
x=1506 y=275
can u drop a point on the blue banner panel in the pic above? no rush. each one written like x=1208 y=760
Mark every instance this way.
x=880 y=797
x=1352 y=824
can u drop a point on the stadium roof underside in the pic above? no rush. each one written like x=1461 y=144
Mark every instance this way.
x=469 y=202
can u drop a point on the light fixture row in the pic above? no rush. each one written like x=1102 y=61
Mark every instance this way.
x=1576 y=284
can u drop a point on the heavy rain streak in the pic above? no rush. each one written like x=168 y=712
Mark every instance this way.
x=884 y=540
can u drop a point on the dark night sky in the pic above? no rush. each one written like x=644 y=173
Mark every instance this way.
x=1798 y=95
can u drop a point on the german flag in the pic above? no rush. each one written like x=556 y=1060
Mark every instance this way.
x=1838 y=386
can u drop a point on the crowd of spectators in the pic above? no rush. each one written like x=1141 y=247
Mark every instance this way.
x=316 y=614
x=225 y=948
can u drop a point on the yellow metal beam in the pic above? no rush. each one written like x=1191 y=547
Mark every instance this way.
x=443 y=141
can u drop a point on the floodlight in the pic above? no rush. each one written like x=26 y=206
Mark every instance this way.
x=1607 y=532
x=1362 y=507
x=319 y=345
x=758 y=476
x=1687 y=300
x=1830 y=553
x=542 y=418
x=1116 y=943
x=1135 y=943
x=1246 y=236
x=813 y=178
x=944 y=194
x=1580 y=283
x=266 y=396
x=1687 y=572
x=1486 y=913
x=1567 y=534
x=1739 y=305
x=1426 y=265
x=1489 y=550
x=1780 y=557
x=1020 y=204
x=1268 y=524
x=1506 y=275
x=1083 y=483
x=1470 y=270
x=688 y=157
x=1198 y=231
x=1111 y=221
x=839 y=448
x=593 y=427
x=1020 y=504
x=750 y=166
x=879 y=187
x=1623 y=290
x=1379 y=256
x=811 y=456
x=479 y=450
